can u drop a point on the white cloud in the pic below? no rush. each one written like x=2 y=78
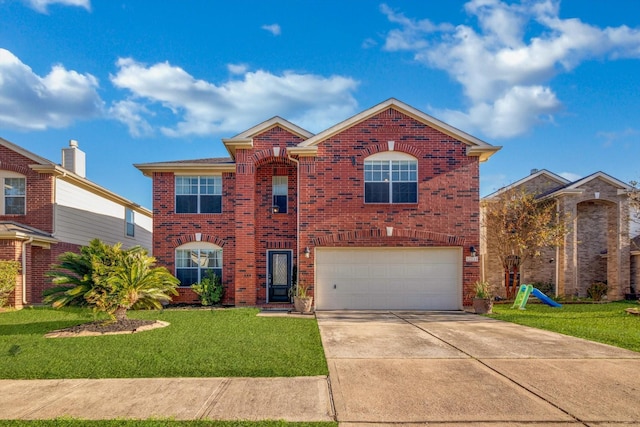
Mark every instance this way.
x=202 y=108
x=32 y=102
x=237 y=68
x=42 y=5
x=570 y=176
x=613 y=136
x=132 y=114
x=505 y=75
x=273 y=29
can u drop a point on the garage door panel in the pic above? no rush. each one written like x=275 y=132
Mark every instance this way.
x=388 y=278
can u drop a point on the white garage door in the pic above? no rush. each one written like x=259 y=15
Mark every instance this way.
x=388 y=279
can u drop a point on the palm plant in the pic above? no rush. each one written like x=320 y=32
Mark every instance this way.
x=137 y=284
x=110 y=279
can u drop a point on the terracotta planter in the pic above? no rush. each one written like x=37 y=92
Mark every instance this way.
x=482 y=305
x=303 y=304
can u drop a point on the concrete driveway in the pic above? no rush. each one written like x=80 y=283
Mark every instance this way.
x=464 y=369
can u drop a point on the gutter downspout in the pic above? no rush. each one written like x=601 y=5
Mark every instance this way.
x=297 y=213
x=24 y=269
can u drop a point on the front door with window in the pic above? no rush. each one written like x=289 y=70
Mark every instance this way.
x=279 y=275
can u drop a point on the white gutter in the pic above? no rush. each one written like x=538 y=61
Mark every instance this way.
x=24 y=269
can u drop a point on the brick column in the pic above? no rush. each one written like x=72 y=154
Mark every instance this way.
x=245 y=274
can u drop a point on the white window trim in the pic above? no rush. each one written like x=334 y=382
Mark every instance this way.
x=197 y=246
x=9 y=174
x=175 y=193
x=127 y=222
x=389 y=156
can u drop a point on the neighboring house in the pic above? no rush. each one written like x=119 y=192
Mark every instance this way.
x=597 y=247
x=47 y=209
x=380 y=211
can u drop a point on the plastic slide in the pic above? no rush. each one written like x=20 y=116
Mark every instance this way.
x=545 y=299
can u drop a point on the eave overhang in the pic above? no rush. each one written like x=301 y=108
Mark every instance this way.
x=68 y=176
x=183 y=168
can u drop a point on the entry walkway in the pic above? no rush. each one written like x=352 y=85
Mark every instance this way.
x=464 y=369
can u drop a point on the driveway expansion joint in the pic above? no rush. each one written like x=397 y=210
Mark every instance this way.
x=522 y=386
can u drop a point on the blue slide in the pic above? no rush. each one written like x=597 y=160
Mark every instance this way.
x=545 y=299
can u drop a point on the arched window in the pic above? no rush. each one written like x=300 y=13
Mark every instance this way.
x=195 y=260
x=391 y=177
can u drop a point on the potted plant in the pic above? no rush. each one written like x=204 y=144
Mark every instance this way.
x=302 y=302
x=482 y=303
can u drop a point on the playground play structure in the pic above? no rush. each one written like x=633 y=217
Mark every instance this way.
x=526 y=291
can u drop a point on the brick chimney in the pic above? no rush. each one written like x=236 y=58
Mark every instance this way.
x=73 y=159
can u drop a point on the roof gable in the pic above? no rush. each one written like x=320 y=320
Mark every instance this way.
x=476 y=147
x=543 y=173
x=245 y=139
x=614 y=182
x=25 y=153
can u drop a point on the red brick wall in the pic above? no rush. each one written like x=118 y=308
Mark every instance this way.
x=172 y=230
x=39 y=192
x=333 y=212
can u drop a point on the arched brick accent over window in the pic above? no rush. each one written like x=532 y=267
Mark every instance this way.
x=203 y=238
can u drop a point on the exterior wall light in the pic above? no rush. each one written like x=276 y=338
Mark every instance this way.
x=275 y=209
x=472 y=250
x=307 y=252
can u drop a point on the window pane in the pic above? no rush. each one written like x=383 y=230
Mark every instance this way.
x=210 y=204
x=280 y=186
x=187 y=276
x=131 y=230
x=281 y=203
x=405 y=192
x=186 y=185
x=205 y=271
x=186 y=204
x=14 y=205
x=376 y=171
x=376 y=192
x=14 y=186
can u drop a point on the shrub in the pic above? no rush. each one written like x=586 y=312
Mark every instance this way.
x=8 y=272
x=209 y=289
x=546 y=288
x=597 y=290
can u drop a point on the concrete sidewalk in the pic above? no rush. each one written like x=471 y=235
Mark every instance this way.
x=290 y=399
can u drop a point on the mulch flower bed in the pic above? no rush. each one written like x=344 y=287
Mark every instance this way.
x=101 y=327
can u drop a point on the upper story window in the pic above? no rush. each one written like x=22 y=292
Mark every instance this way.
x=391 y=177
x=280 y=190
x=197 y=259
x=131 y=222
x=15 y=196
x=198 y=194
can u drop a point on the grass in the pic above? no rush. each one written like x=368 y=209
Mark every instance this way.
x=197 y=343
x=69 y=422
x=606 y=323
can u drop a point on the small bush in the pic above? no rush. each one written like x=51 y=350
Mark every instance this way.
x=546 y=288
x=483 y=289
x=8 y=272
x=597 y=290
x=210 y=290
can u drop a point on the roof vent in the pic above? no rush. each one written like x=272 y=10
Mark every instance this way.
x=73 y=159
x=534 y=171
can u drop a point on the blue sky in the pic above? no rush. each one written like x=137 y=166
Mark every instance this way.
x=555 y=83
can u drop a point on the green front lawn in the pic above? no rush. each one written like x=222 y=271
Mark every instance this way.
x=197 y=343
x=605 y=323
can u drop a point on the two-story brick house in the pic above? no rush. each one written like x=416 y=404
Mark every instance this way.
x=380 y=211
x=47 y=209
x=597 y=246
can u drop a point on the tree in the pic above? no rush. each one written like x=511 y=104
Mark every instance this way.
x=110 y=279
x=518 y=225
